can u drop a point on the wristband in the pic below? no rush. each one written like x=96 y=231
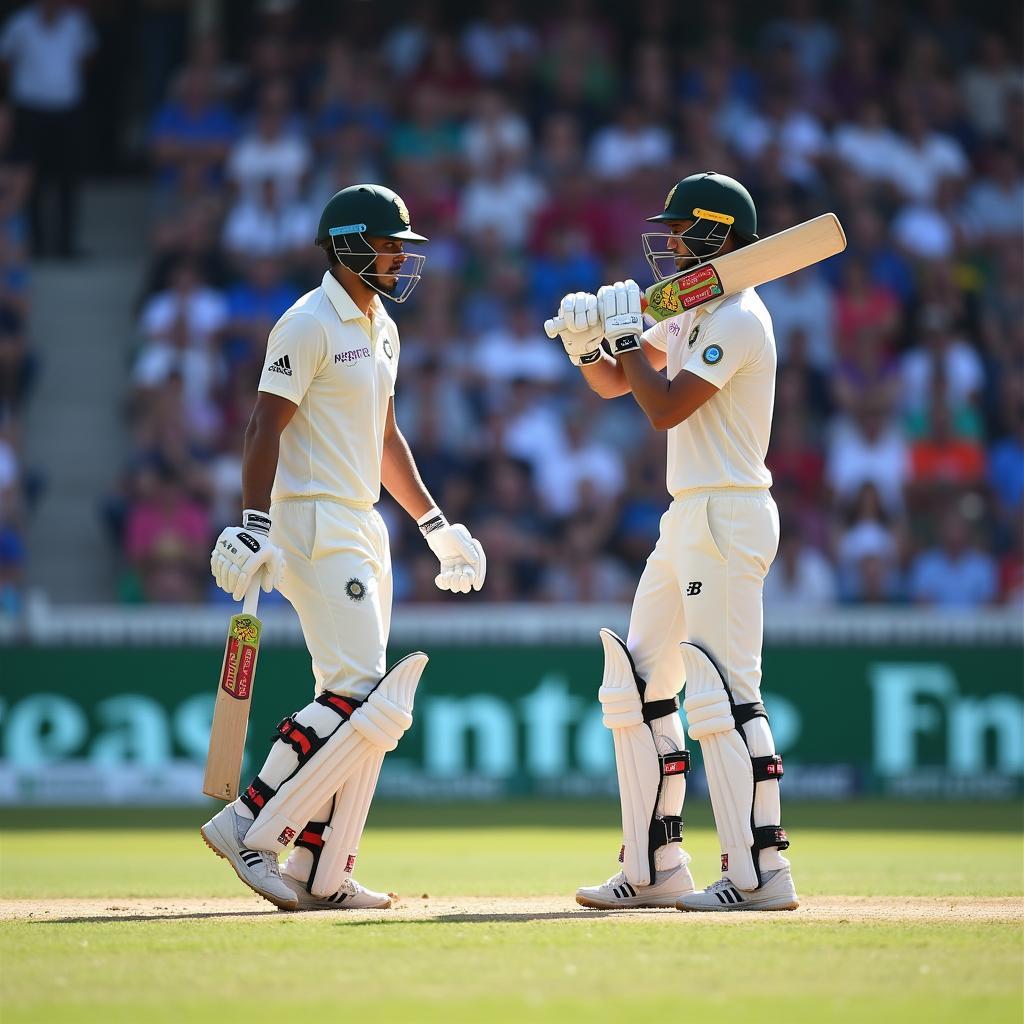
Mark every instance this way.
x=257 y=521
x=627 y=343
x=431 y=521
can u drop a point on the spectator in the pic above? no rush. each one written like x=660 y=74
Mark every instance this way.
x=265 y=224
x=273 y=149
x=502 y=195
x=192 y=130
x=955 y=573
x=800 y=578
x=803 y=302
x=630 y=142
x=867 y=447
x=253 y=305
x=491 y=42
x=46 y=47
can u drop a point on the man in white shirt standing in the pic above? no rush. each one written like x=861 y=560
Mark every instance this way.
x=46 y=46
x=697 y=615
x=321 y=441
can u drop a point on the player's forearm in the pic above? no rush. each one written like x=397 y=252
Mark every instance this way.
x=259 y=464
x=605 y=377
x=666 y=403
x=401 y=478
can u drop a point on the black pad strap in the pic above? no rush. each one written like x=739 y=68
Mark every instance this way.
x=312 y=838
x=675 y=763
x=743 y=713
x=664 y=831
x=344 y=706
x=301 y=738
x=256 y=796
x=656 y=709
x=767 y=836
x=767 y=768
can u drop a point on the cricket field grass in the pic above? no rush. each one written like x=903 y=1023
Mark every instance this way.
x=911 y=912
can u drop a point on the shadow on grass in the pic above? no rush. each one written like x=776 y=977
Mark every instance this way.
x=191 y=915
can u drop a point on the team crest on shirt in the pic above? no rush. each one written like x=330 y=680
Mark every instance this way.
x=388 y=350
x=712 y=354
x=356 y=589
x=693 y=336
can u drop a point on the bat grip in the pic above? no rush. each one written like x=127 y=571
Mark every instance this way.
x=252 y=597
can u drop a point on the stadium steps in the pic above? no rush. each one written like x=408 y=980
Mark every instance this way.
x=82 y=324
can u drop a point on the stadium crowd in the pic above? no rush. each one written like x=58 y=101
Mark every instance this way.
x=529 y=148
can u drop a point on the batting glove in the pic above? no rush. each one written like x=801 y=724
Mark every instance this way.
x=242 y=551
x=582 y=334
x=462 y=558
x=621 y=319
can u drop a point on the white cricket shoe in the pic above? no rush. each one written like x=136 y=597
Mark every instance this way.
x=224 y=833
x=776 y=892
x=351 y=896
x=618 y=894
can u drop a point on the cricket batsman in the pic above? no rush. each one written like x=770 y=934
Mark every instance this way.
x=321 y=441
x=697 y=615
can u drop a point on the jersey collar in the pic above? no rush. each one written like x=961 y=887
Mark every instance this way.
x=709 y=307
x=340 y=299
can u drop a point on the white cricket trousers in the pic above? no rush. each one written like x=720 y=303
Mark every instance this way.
x=703 y=583
x=338 y=579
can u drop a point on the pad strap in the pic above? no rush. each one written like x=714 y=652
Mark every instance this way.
x=655 y=709
x=303 y=739
x=767 y=768
x=675 y=763
x=344 y=706
x=743 y=713
x=766 y=836
x=257 y=795
x=312 y=838
x=666 y=830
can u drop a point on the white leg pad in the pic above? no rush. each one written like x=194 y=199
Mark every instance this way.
x=374 y=728
x=727 y=764
x=638 y=762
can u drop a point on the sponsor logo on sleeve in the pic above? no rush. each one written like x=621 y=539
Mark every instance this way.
x=282 y=365
x=712 y=354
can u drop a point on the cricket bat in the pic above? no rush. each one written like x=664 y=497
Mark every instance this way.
x=768 y=260
x=234 y=698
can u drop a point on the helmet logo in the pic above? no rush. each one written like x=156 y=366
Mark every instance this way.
x=671 y=193
x=722 y=218
x=348 y=229
x=403 y=210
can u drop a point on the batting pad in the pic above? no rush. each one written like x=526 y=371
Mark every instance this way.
x=727 y=764
x=341 y=837
x=636 y=757
x=374 y=728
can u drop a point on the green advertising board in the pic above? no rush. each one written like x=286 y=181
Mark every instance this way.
x=97 y=724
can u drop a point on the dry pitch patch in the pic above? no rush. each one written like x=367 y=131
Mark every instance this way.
x=830 y=909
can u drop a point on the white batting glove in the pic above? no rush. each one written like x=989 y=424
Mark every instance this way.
x=242 y=551
x=582 y=334
x=621 y=319
x=463 y=562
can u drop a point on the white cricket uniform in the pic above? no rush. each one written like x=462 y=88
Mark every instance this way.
x=704 y=579
x=339 y=368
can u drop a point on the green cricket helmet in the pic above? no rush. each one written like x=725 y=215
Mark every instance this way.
x=354 y=214
x=717 y=204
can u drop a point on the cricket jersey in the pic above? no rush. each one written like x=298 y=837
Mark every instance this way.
x=339 y=368
x=731 y=343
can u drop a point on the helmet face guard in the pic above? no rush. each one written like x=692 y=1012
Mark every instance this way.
x=702 y=240
x=353 y=250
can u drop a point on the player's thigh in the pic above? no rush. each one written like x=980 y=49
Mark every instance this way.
x=336 y=592
x=725 y=545
x=656 y=624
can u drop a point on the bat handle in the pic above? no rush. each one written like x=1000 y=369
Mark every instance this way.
x=252 y=598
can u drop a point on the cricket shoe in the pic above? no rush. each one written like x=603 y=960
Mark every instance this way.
x=776 y=892
x=224 y=833
x=350 y=896
x=618 y=894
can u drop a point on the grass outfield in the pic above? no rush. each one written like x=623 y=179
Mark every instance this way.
x=911 y=913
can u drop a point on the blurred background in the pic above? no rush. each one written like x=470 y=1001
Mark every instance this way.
x=163 y=164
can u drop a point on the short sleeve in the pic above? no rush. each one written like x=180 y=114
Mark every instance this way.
x=657 y=336
x=726 y=341
x=296 y=350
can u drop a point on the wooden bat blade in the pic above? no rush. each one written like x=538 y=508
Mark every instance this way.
x=771 y=258
x=231 y=709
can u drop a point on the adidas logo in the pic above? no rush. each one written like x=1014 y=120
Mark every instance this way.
x=281 y=366
x=729 y=896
